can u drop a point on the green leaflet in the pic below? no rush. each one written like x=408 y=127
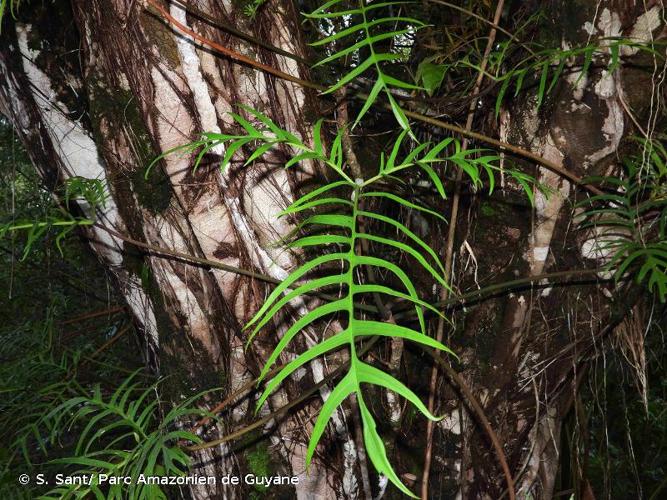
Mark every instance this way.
x=37 y=229
x=142 y=444
x=327 y=345
x=404 y=202
x=295 y=275
x=548 y=66
x=409 y=250
x=622 y=218
x=431 y=75
x=370 y=375
x=376 y=450
x=365 y=40
x=414 y=238
x=342 y=230
x=342 y=390
x=309 y=286
x=337 y=208
x=320 y=239
x=299 y=325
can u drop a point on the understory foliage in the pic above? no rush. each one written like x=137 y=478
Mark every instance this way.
x=372 y=49
x=631 y=222
x=334 y=218
x=74 y=396
x=122 y=434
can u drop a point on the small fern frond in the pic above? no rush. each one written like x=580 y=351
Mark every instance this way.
x=631 y=221
x=545 y=67
x=92 y=191
x=13 y=9
x=35 y=230
x=364 y=28
x=121 y=435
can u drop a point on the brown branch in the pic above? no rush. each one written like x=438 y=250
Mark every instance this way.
x=94 y=314
x=486 y=21
x=232 y=54
x=412 y=114
x=444 y=293
x=224 y=25
x=216 y=264
x=402 y=312
x=509 y=285
x=234 y=396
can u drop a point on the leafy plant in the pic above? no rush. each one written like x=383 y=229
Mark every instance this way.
x=37 y=229
x=122 y=435
x=251 y=8
x=366 y=29
x=91 y=193
x=632 y=220
x=13 y=7
x=512 y=67
x=341 y=208
x=548 y=65
x=34 y=379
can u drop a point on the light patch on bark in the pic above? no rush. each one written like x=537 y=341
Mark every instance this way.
x=607 y=90
x=451 y=421
x=596 y=247
x=197 y=320
x=78 y=155
x=142 y=308
x=642 y=31
x=589 y=28
x=75 y=148
x=601 y=244
x=541 y=469
x=209 y=68
x=265 y=198
x=609 y=24
x=193 y=75
x=350 y=483
x=547 y=208
x=578 y=80
x=613 y=125
x=314 y=483
x=526 y=368
x=239 y=376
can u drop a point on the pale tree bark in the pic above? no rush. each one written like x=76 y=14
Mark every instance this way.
x=113 y=86
x=525 y=354
x=98 y=89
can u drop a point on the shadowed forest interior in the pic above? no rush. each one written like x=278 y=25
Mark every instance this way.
x=333 y=250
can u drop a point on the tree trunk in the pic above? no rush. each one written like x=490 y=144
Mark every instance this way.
x=525 y=353
x=116 y=87
x=102 y=98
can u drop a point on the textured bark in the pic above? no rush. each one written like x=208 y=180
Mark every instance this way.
x=525 y=353
x=115 y=88
x=102 y=98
